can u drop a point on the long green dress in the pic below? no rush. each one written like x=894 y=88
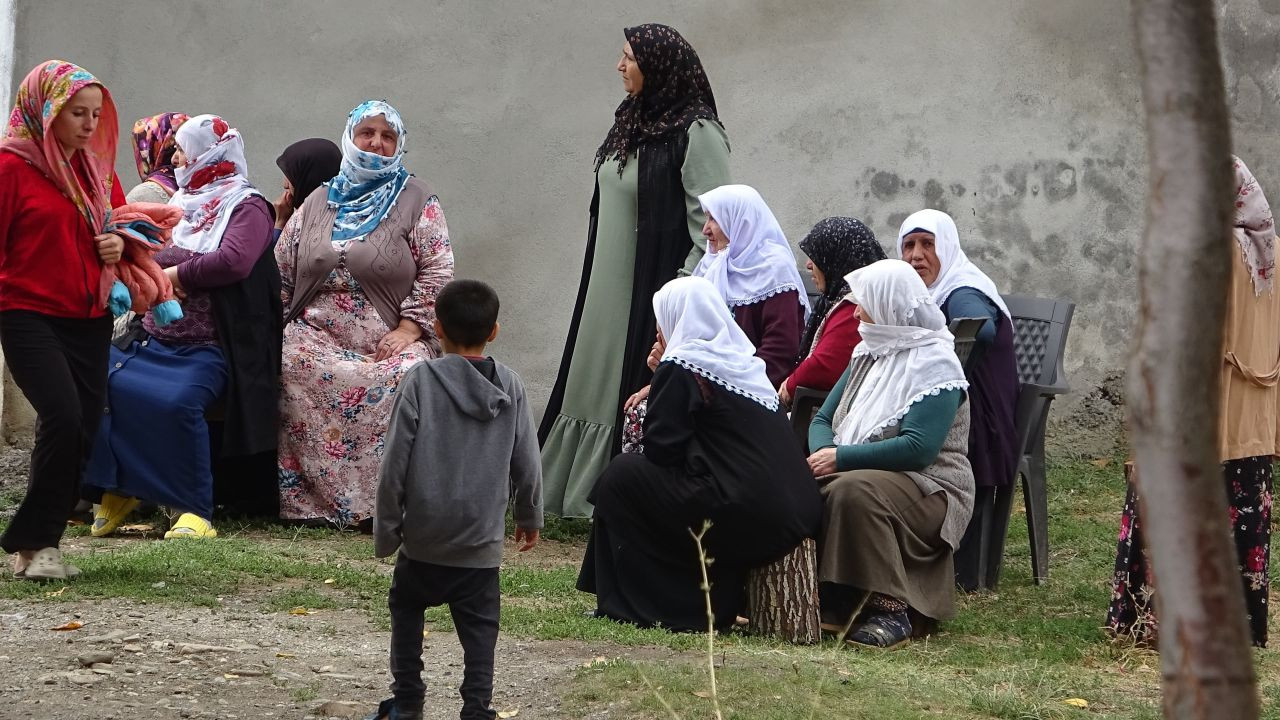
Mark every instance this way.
x=578 y=447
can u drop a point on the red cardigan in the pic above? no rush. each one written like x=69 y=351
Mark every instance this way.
x=828 y=361
x=48 y=261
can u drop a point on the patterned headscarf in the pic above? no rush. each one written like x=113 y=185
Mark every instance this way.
x=367 y=188
x=675 y=93
x=1255 y=229
x=42 y=95
x=154 y=142
x=838 y=246
x=212 y=183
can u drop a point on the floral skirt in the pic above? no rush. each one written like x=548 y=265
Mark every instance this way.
x=633 y=428
x=1132 y=610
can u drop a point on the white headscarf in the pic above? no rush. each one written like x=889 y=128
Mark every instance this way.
x=956 y=271
x=702 y=337
x=212 y=183
x=758 y=263
x=914 y=353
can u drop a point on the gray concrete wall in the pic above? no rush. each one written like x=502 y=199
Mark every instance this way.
x=1022 y=119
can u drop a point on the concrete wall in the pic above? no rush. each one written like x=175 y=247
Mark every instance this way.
x=1022 y=119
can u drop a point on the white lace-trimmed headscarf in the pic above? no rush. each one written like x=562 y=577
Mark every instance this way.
x=758 y=263
x=956 y=270
x=212 y=183
x=914 y=354
x=703 y=337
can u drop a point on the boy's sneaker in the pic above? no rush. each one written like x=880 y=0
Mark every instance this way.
x=388 y=710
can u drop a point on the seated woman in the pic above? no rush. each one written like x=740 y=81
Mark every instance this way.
x=717 y=449
x=306 y=164
x=836 y=247
x=896 y=485
x=929 y=241
x=154 y=143
x=153 y=441
x=360 y=265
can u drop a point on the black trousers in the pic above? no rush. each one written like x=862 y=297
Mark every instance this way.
x=473 y=600
x=60 y=364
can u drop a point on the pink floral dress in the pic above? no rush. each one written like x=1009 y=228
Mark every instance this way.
x=336 y=400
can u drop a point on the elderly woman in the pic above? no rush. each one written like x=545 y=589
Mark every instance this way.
x=153 y=441
x=361 y=264
x=929 y=241
x=306 y=165
x=836 y=247
x=716 y=449
x=154 y=143
x=56 y=190
x=1247 y=435
x=896 y=485
x=665 y=148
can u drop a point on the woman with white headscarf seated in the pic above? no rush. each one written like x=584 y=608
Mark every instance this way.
x=929 y=241
x=896 y=485
x=716 y=449
x=361 y=264
x=153 y=442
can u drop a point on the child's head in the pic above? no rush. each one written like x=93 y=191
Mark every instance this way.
x=466 y=316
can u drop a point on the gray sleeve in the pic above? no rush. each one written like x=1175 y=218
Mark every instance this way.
x=398 y=447
x=706 y=167
x=526 y=465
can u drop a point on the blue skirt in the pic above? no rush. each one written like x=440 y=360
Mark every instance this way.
x=153 y=441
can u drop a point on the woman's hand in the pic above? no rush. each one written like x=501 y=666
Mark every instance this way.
x=394 y=342
x=655 y=354
x=110 y=248
x=823 y=462
x=284 y=209
x=784 y=396
x=636 y=399
x=172 y=274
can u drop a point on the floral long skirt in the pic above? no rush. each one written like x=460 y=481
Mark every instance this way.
x=1132 y=610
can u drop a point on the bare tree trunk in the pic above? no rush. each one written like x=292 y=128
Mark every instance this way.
x=782 y=597
x=1174 y=373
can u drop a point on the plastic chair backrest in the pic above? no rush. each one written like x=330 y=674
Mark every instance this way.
x=965 y=331
x=1040 y=328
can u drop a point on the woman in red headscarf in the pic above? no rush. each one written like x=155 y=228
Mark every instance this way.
x=57 y=189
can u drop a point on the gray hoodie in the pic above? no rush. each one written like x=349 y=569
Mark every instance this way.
x=460 y=446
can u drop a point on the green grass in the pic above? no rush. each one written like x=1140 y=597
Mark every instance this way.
x=1017 y=654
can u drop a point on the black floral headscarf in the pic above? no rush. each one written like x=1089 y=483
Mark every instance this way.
x=838 y=246
x=675 y=93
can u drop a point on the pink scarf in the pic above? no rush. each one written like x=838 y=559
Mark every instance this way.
x=1255 y=230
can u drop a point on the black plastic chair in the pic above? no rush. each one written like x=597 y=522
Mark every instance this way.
x=1040 y=327
x=806 y=401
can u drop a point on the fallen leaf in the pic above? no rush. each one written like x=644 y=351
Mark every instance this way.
x=508 y=713
x=1076 y=702
x=301 y=611
x=58 y=592
x=287 y=656
x=702 y=693
x=139 y=529
x=329 y=581
x=73 y=625
x=230 y=676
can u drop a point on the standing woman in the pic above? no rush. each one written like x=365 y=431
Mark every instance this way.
x=56 y=189
x=665 y=148
x=154 y=143
x=361 y=264
x=1247 y=431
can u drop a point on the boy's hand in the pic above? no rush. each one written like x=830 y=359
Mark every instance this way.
x=526 y=538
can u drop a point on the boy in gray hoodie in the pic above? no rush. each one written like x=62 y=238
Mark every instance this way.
x=460 y=447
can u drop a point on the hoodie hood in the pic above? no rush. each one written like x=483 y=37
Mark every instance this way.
x=474 y=394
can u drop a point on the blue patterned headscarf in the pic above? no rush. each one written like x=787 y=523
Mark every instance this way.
x=368 y=185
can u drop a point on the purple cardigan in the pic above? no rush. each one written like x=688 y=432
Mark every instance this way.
x=247 y=236
x=774 y=325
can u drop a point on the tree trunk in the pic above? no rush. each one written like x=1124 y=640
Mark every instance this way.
x=1174 y=372
x=782 y=597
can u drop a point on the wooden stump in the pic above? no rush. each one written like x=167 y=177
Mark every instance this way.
x=782 y=597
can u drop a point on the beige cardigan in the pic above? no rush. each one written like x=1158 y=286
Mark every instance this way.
x=1250 y=368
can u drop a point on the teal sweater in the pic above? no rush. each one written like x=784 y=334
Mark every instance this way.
x=915 y=447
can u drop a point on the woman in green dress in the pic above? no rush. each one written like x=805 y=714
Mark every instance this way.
x=665 y=148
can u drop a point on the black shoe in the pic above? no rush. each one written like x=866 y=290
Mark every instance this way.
x=388 y=710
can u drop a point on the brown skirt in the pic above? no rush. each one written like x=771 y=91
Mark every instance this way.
x=880 y=534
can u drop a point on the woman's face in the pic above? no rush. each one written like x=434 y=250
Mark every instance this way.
x=288 y=186
x=632 y=78
x=716 y=239
x=179 y=157
x=375 y=135
x=78 y=119
x=865 y=316
x=918 y=250
x=819 y=280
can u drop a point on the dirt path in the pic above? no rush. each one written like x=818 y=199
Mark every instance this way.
x=239 y=662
